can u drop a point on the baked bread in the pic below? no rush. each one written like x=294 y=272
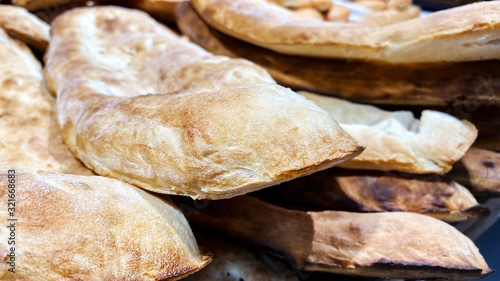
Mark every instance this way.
x=396 y=84
x=235 y=262
x=29 y=131
x=320 y=5
x=466 y=33
x=367 y=191
x=479 y=170
x=93 y=228
x=19 y=23
x=388 y=245
x=34 y=5
x=397 y=140
x=160 y=9
x=145 y=106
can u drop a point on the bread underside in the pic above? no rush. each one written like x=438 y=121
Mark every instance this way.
x=369 y=191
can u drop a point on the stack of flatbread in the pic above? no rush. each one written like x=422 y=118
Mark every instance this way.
x=129 y=131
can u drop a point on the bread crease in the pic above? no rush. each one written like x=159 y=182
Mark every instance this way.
x=397 y=140
x=388 y=245
x=367 y=191
x=142 y=105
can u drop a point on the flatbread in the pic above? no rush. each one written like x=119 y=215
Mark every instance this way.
x=93 y=228
x=466 y=33
x=29 y=131
x=458 y=84
x=145 y=106
x=367 y=191
x=397 y=140
x=388 y=245
x=19 y=23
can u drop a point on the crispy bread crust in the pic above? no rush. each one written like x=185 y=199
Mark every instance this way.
x=466 y=33
x=381 y=83
x=29 y=131
x=145 y=106
x=398 y=141
x=366 y=191
x=95 y=228
x=479 y=170
x=19 y=23
x=160 y=9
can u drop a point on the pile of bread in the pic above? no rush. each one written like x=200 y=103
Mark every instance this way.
x=127 y=132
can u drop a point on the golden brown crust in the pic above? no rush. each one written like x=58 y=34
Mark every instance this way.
x=147 y=107
x=235 y=262
x=160 y=9
x=29 y=131
x=362 y=191
x=95 y=228
x=19 y=23
x=34 y=5
x=388 y=245
x=460 y=84
x=319 y=5
x=479 y=170
x=338 y=13
x=397 y=140
x=466 y=33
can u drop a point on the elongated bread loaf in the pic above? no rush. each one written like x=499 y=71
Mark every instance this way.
x=371 y=191
x=465 y=33
x=29 y=131
x=426 y=84
x=399 y=141
x=388 y=245
x=92 y=228
x=140 y=104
